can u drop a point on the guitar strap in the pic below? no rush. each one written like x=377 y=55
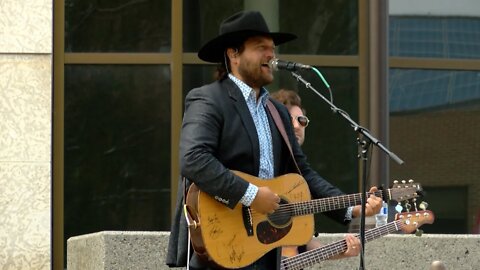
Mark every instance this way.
x=281 y=128
x=185 y=191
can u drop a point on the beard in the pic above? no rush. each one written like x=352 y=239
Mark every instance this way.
x=254 y=74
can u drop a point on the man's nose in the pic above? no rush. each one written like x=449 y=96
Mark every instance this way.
x=295 y=124
x=270 y=53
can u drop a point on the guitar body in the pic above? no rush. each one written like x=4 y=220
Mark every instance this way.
x=235 y=238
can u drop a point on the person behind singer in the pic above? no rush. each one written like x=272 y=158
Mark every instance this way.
x=227 y=126
x=300 y=121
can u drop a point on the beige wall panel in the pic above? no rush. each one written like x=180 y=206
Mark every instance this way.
x=25 y=219
x=26 y=26
x=25 y=108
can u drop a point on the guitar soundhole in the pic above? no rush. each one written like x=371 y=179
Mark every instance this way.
x=283 y=216
x=278 y=225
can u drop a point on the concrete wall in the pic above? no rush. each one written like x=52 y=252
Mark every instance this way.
x=25 y=133
x=147 y=250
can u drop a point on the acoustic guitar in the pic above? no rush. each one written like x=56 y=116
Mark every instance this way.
x=407 y=222
x=235 y=238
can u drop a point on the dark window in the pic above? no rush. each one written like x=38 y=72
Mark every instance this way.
x=323 y=26
x=330 y=141
x=451 y=214
x=117 y=148
x=202 y=18
x=117 y=26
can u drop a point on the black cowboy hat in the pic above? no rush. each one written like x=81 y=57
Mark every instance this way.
x=236 y=29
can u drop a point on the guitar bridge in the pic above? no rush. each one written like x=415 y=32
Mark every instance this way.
x=247 y=220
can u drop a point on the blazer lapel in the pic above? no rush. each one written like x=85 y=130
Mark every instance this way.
x=244 y=113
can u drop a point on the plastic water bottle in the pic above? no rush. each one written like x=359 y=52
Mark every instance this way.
x=382 y=217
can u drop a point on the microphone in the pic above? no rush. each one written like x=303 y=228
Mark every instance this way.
x=277 y=64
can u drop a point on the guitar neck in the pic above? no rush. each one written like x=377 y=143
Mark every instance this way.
x=327 y=204
x=323 y=253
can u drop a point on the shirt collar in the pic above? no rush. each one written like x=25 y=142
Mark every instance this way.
x=247 y=91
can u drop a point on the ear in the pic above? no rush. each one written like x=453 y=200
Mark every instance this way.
x=232 y=53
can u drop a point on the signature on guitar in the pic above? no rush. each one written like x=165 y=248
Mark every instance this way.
x=214 y=226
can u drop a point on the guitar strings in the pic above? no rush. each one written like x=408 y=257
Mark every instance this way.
x=315 y=206
x=327 y=251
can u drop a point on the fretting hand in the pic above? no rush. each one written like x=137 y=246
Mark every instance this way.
x=372 y=207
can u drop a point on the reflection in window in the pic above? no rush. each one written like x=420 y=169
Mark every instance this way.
x=323 y=26
x=435 y=37
x=117 y=148
x=202 y=18
x=117 y=26
x=429 y=89
x=434 y=128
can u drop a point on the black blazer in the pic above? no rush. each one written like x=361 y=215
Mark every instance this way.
x=218 y=135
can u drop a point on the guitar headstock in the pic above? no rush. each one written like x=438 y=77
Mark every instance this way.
x=402 y=191
x=411 y=221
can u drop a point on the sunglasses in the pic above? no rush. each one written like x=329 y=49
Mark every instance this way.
x=302 y=120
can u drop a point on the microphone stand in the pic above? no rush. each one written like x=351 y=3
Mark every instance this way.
x=364 y=140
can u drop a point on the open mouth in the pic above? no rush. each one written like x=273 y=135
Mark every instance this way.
x=265 y=65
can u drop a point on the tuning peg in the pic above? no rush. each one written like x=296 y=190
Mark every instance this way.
x=415 y=203
x=419 y=232
x=395 y=182
x=423 y=205
x=398 y=208
x=408 y=206
x=410 y=181
x=403 y=181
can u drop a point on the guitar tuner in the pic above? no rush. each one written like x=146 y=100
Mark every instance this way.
x=398 y=208
x=423 y=205
x=415 y=203
x=408 y=207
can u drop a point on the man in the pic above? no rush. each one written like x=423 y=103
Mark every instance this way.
x=226 y=126
x=300 y=121
x=293 y=102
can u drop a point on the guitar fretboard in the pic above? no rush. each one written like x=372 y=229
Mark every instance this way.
x=311 y=257
x=327 y=204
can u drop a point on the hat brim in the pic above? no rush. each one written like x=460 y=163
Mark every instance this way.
x=213 y=50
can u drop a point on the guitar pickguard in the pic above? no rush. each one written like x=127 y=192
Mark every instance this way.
x=268 y=234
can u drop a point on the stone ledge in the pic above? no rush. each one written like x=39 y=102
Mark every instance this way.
x=114 y=250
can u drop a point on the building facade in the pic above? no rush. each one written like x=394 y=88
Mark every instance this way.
x=92 y=95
